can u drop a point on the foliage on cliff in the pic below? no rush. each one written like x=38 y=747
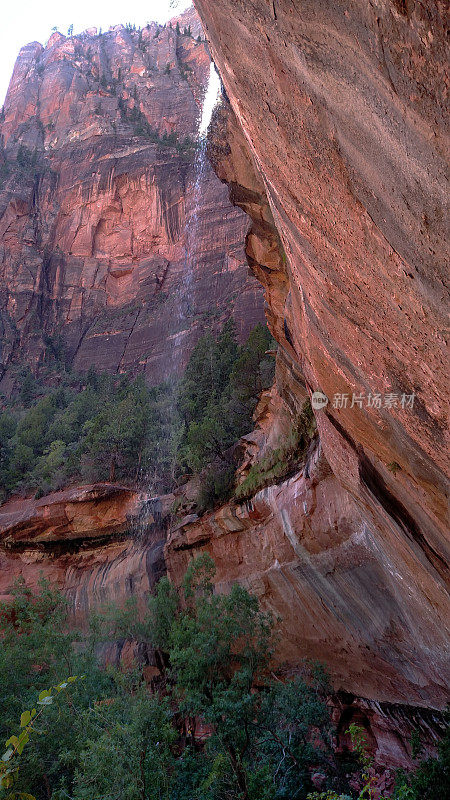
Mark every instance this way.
x=90 y=428
x=99 y=427
x=215 y=725
x=119 y=740
x=219 y=393
x=279 y=463
x=220 y=389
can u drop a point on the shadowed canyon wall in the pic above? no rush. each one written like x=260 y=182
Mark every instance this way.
x=334 y=143
x=97 y=167
x=86 y=540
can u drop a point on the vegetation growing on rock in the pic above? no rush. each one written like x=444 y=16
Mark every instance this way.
x=214 y=723
x=99 y=427
x=282 y=461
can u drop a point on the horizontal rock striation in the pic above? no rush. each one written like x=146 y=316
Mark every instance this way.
x=99 y=543
x=336 y=146
x=339 y=597
x=72 y=515
x=97 y=191
x=343 y=597
x=333 y=146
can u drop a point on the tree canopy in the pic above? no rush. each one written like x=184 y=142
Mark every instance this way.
x=96 y=427
x=214 y=723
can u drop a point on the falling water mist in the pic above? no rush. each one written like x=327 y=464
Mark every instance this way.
x=184 y=299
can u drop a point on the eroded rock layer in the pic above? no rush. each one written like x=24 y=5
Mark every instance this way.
x=98 y=188
x=339 y=149
x=366 y=608
x=99 y=543
x=334 y=149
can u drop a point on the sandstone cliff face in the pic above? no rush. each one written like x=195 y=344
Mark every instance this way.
x=345 y=597
x=303 y=548
x=99 y=544
x=96 y=194
x=339 y=148
x=334 y=148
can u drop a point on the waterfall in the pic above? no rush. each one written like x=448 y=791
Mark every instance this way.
x=185 y=299
x=184 y=294
x=210 y=100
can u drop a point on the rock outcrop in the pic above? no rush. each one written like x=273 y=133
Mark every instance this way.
x=336 y=146
x=98 y=544
x=333 y=146
x=97 y=174
x=344 y=598
x=73 y=515
x=362 y=606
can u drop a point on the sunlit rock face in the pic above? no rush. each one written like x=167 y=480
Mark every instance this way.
x=336 y=145
x=98 y=543
x=95 y=201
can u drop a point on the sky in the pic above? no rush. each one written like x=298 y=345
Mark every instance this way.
x=24 y=21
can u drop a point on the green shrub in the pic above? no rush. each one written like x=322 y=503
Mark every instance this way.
x=431 y=779
x=103 y=427
x=278 y=464
x=216 y=486
x=112 y=737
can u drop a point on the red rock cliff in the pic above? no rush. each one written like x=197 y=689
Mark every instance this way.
x=96 y=195
x=98 y=543
x=333 y=147
x=338 y=149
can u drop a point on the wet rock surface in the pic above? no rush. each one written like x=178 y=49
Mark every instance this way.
x=98 y=543
x=342 y=597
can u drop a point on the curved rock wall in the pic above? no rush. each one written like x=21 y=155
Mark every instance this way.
x=99 y=543
x=360 y=605
x=340 y=131
x=334 y=148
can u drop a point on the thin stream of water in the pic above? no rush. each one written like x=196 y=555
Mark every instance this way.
x=185 y=300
